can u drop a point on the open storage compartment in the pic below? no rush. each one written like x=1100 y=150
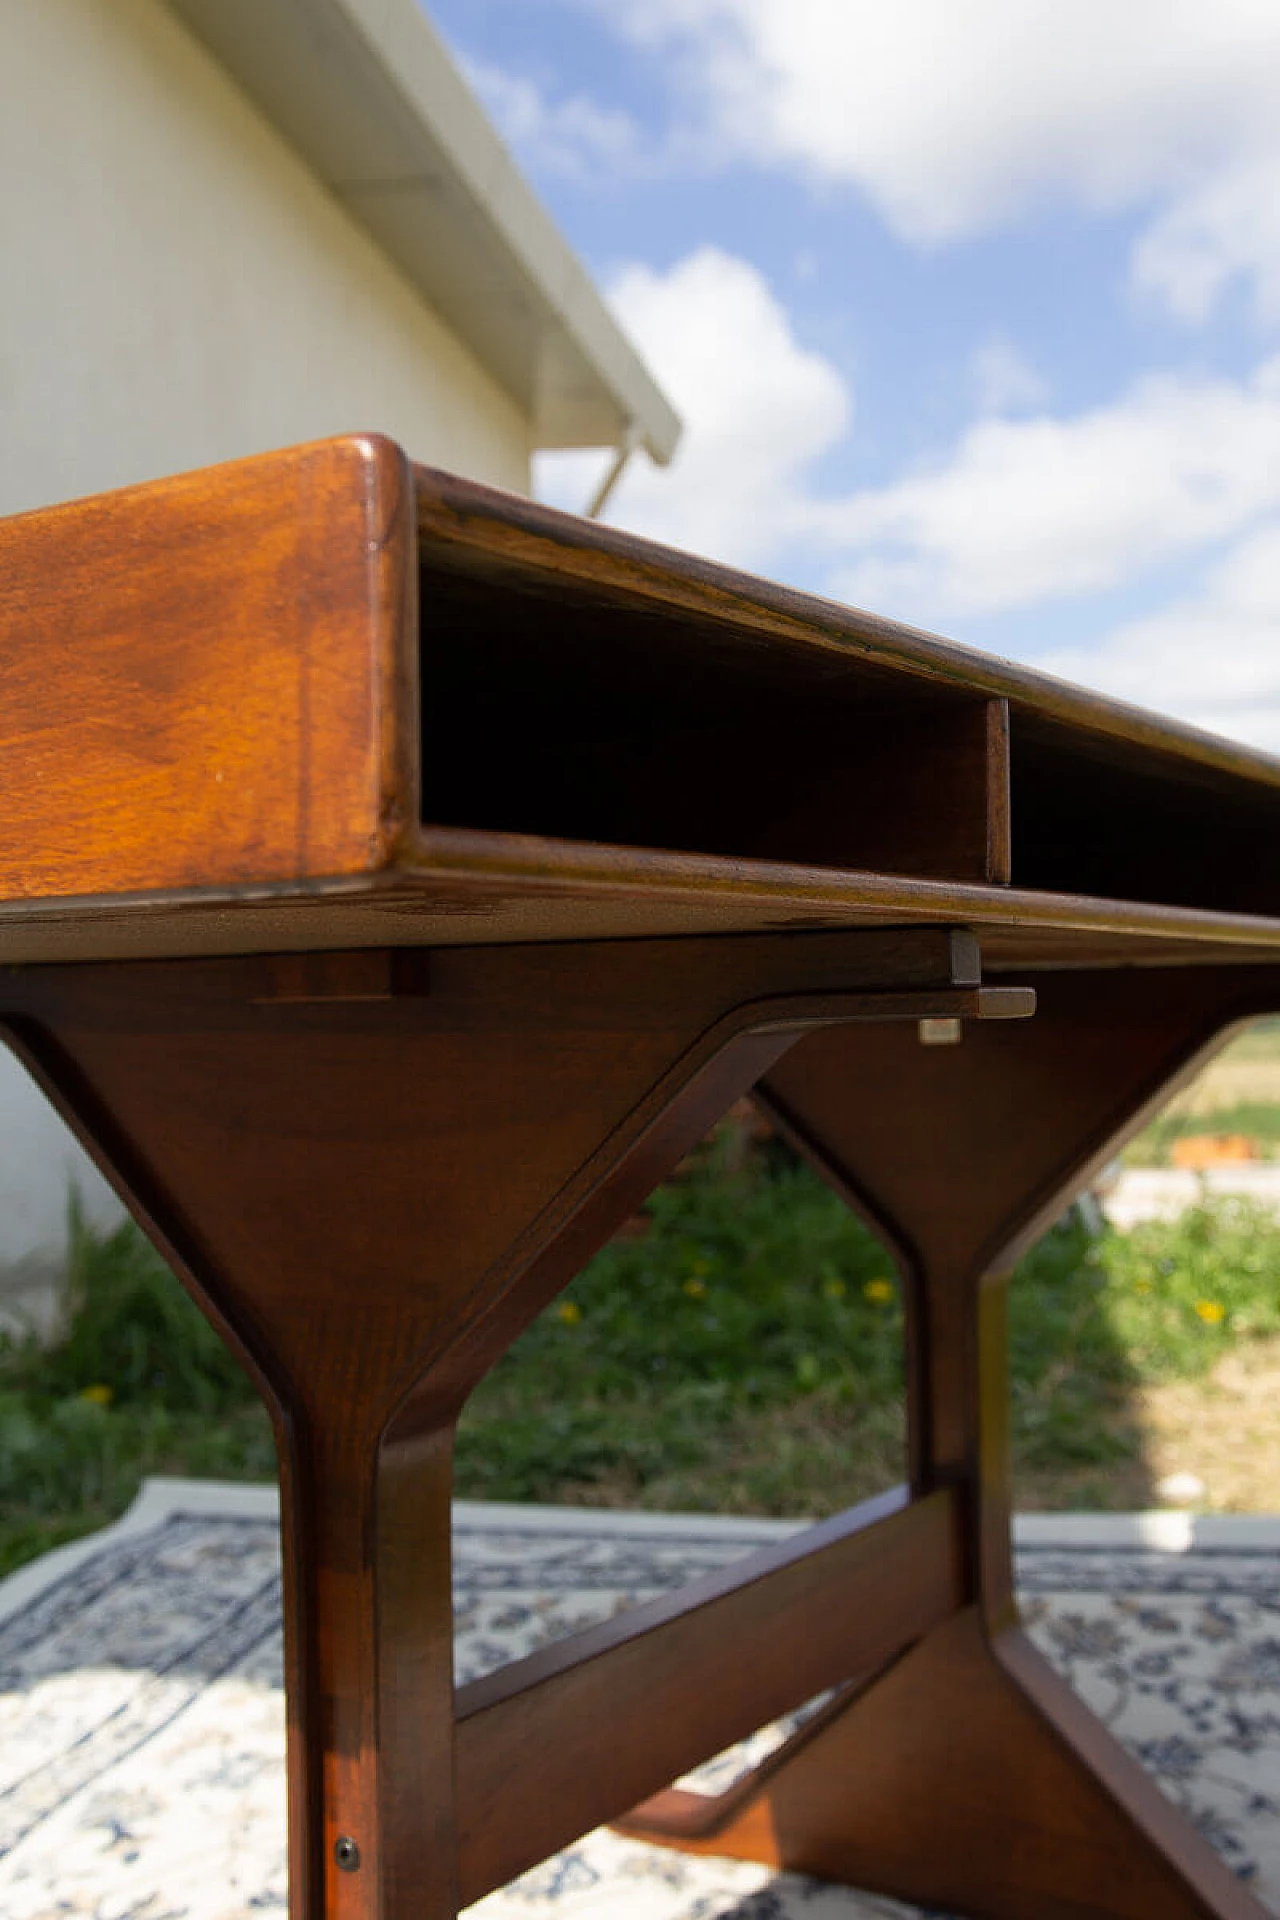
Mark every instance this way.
x=565 y=711
x=1117 y=819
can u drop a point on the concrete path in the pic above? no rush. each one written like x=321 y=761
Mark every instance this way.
x=1162 y=1193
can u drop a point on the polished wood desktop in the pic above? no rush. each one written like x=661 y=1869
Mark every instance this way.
x=397 y=878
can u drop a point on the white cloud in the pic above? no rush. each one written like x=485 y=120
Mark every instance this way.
x=1023 y=511
x=1018 y=513
x=1212 y=658
x=758 y=408
x=953 y=117
x=574 y=136
x=957 y=119
x=1226 y=230
x=1005 y=382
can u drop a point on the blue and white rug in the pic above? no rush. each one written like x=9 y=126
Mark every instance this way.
x=142 y=1723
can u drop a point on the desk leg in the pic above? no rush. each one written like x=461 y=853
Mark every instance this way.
x=969 y=1776
x=372 y=1181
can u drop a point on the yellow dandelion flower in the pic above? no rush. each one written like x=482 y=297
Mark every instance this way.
x=695 y=1288
x=834 y=1289
x=98 y=1395
x=1211 y=1311
x=569 y=1312
x=879 y=1291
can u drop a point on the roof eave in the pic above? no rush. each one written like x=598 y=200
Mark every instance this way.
x=367 y=93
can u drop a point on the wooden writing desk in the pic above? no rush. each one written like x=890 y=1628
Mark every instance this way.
x=395 y=880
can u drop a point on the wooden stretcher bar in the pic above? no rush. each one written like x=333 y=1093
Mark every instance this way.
x=688 y=1674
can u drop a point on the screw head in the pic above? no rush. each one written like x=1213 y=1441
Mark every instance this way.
x=346 y=1853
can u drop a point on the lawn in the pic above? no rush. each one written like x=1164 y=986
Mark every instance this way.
x=737 y=1348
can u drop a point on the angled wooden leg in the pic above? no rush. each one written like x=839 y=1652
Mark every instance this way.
x=962 y=1782
x=372 y=1173
x=968 y=1775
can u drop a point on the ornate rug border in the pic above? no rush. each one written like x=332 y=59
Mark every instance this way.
x=1159 y=1533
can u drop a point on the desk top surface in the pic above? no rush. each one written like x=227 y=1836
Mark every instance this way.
x=323 y=698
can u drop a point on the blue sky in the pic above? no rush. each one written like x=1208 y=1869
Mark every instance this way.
x=971 y=307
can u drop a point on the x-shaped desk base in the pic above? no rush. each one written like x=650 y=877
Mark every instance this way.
x=374 y=1168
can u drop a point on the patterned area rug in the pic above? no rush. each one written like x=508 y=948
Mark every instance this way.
x=141 y=1713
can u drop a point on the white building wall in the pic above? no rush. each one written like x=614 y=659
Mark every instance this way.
x=177 y=289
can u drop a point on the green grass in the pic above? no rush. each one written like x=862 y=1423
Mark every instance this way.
x=139 y=1385
x=747 y=1352
x=753 y=1289
x=743 y=1353
x=1093 y=1318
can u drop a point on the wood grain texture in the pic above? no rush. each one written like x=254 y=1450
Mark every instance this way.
x=498 y=1113
x=459 y=888
x=686 y=1675
x=567 y=889
x=207 y=682
x=967 y=1776
x=373 y=1166
x=999 y=813
x=372 y=1182
x=215 y=741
